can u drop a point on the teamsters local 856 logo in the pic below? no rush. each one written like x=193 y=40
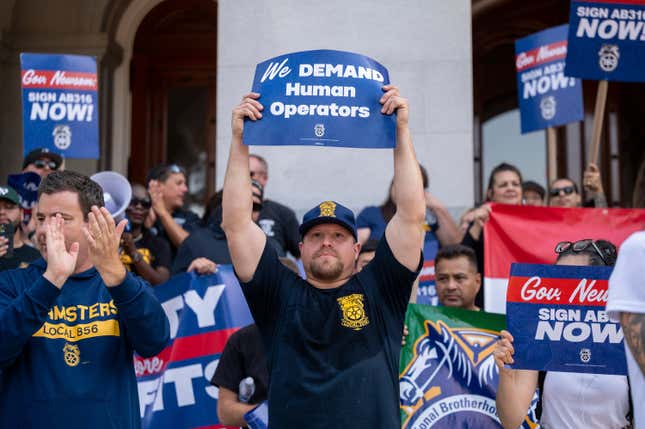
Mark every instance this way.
x=452 y=379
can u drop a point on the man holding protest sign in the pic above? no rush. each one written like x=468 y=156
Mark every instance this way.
x=327 y=336
x=568 y=399
x=69 y=323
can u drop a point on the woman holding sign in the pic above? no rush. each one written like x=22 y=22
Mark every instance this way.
x=567 y=400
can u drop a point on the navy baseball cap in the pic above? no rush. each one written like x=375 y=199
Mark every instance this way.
x=329 y=212
x=42 y=152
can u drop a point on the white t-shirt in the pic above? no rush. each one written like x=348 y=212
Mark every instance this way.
x=627 y=293
x=576 y=400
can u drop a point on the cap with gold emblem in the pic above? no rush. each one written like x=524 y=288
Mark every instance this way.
x=329 y=212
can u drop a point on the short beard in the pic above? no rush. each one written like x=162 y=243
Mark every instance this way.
x=329 y=273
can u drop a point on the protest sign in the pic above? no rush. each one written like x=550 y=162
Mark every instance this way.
x=321 y=98
x=174 y=386
x=557 y=317
x=547 y=98
x=60 y=104
x=448 y=376
x=26 y=185
x=607 y=40
x=529 y=234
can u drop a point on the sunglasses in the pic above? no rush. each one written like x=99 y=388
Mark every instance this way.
x=41 y=163
x=174 y=168
x=568 y=190
x=145 y=203
x=582 y=245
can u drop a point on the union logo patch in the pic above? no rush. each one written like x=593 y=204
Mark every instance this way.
x=72 y=354
x=353 y=310
x=327 y=208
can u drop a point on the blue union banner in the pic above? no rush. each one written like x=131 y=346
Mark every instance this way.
x=321 y=98
x=174 y=386
x=547 y=98
x=607 y=40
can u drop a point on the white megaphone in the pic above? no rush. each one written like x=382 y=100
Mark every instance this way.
x=117 y=192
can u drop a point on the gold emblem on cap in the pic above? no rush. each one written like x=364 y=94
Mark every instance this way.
x=327 y=209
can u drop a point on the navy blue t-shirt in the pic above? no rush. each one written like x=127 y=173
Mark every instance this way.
x=333 y=354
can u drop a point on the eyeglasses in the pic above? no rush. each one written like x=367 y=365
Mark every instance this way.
x=582 y=245
x=42 y=163
x=568 y=190
x=145 y=203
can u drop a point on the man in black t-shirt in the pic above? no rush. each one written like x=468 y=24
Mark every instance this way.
x=14 y=252
x=243 y=357
x=333 y=340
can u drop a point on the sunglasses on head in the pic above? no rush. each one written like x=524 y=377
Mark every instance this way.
x=145 y=203
x=580 y=246
x=174 y=168
x=42 y=163
x=568 y=190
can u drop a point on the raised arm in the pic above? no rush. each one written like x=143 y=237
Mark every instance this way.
x=516 y=386
x=245 y=239
x=404 y=232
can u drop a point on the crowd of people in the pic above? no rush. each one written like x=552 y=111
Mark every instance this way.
x=66 y=259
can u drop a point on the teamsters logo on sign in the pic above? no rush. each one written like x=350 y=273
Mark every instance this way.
x=336 y=94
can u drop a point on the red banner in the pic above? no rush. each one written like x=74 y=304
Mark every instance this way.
x=529 y=234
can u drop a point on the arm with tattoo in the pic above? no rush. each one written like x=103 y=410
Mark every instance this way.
x=633 y=325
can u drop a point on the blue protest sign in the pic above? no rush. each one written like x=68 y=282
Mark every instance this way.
x=557 y=317
x=321 y=98
x=60 y=104
x=174 y=386
x=607 y=40
x=547 y=98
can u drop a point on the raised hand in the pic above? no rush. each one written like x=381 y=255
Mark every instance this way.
x=61 y=262
x=248 y=108
x=392 y=102
x=103 y=238
x=202 y=266
x=156 y=196
x=504 y=351
x=591 y=180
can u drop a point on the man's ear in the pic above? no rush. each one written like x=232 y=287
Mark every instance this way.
x=357 y=250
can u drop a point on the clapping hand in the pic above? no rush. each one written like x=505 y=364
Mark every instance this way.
x=61 y=262
x=103 y=239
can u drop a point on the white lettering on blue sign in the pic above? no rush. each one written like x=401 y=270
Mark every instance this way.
x=576 y=332
x=611 y=29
